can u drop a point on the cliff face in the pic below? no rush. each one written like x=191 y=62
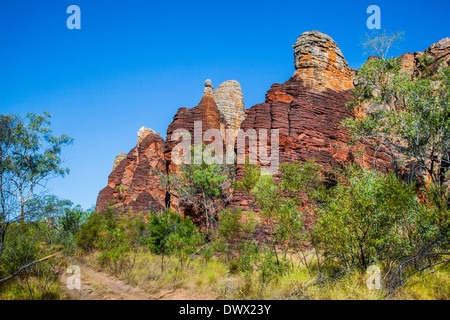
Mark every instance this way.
x=307 y=110
x=205 y=112
x=134 y=183
x=230 y=102
x=424 y=63
x=309 y=107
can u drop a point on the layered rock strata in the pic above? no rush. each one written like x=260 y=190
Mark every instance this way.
x=307 y=110
x=134 y=184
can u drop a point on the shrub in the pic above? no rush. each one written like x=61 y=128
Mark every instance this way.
x=170 y=233
x=251 y=176
x=72 y=219
x=261 y=259
x=283 y=203
x=231 y=226
x=372 y=217
x=89 y=233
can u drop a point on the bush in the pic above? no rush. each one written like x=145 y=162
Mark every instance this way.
x=170 y=233
x=283 y=203
x=371 y=217
x=28 y=242
x=88 y=235
x=117 y=236
x=72 y=219
x=252 y=173
x=231 y=226
x=261 y=259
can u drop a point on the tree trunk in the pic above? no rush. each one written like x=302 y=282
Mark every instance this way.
x=22 y=211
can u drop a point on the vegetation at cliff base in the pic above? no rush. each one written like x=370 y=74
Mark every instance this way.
x=348 y=231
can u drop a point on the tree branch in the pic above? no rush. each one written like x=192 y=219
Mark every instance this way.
x=18 y=271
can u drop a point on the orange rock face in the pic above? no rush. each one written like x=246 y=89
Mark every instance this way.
x=440 y=53
x=205 y=112
x=320 y=63
x=307 y=110
x=134 y=183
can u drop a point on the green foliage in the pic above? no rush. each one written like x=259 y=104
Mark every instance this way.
x=298 y=177
x=27 y=242
x=263 y=260
x=424 y=62
x=251 y=175
x=268 y=196
x=170 y=233
x=248 y=255
x=372 y=217
x=46 y=207
x=281 y=202
x=29 y=154
x=433 y=223
x=205 y=179
x=409 y=115
x=88 y=235
x=24 y=245
x=205 y=186
x=115 y=235
x=231 y=226
x=121 y=188
x=72 y=218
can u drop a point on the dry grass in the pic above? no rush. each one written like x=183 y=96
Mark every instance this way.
x=219 y=279
x=428 y=285
x=32 y=289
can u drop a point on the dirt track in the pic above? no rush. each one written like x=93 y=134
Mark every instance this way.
x=97 y=285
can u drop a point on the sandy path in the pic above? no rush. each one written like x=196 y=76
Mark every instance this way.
x=97 y=285
x=100 y=286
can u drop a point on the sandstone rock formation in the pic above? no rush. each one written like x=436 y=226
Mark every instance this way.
x=119 y=159
x=143 y=132
x=205 y=112
x=408 y=62
x=230 y=102
x=308 y=108
x=426 y=63
x=134 y=183
x=320 y=63
x=440 y=53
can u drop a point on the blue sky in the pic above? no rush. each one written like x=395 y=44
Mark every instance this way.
x=134 y=63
